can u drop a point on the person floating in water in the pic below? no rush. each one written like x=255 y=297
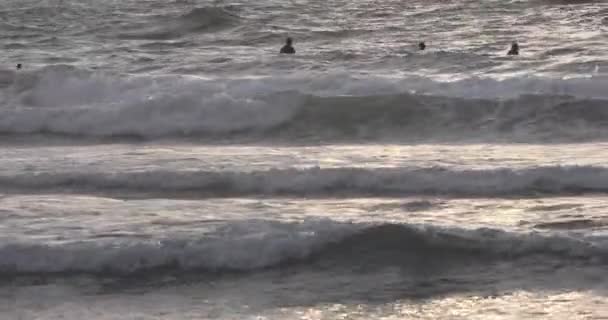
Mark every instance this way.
x=422 y=45
x=288 y=48
x=514 y=51
x=18 y=66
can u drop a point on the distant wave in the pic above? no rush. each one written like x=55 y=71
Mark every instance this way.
x=573 y=224
x=551 y=180
x=204 y=19
x=67 y=101
x=252 y=245
x=562 y=2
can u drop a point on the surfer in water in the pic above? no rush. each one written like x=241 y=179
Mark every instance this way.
x=288 y=48
x=514 y=51
x=18 y=66
x=422 y=46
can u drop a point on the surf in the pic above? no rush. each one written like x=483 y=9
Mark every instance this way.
x=319 y=182
x=64 y=100
x=251 y=246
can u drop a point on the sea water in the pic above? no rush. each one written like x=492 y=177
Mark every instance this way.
x=161 y=160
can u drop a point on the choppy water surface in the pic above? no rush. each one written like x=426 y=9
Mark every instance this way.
x=160 y=160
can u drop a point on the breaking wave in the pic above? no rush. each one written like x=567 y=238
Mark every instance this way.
x=550 y=180
x=63 y=100
x=252 y=245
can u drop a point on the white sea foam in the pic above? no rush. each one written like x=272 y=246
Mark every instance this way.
x=65 y=100
x=237 y=246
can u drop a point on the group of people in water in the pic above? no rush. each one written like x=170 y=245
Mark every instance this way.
x=289 y=49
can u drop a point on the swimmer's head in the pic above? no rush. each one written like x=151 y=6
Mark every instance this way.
x=422 y=45
x=514 y=49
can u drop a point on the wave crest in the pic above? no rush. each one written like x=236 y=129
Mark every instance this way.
x=204 y=19
x=550 y=180
x=251 y=245
x=67 y=101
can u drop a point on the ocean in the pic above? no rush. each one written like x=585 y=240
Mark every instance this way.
x=162 y=160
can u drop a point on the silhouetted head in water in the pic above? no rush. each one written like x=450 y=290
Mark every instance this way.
x=288 y=48
x=18 y=66
x=422 y=45
x=514 y=49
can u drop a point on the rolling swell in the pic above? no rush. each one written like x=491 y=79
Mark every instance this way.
x=209 y=18
x=63 y=100
x=417 y=117
x=252 y=245
x=330 y=182
x=204 y=19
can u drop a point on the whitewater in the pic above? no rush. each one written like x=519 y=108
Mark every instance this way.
x=161 y=159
